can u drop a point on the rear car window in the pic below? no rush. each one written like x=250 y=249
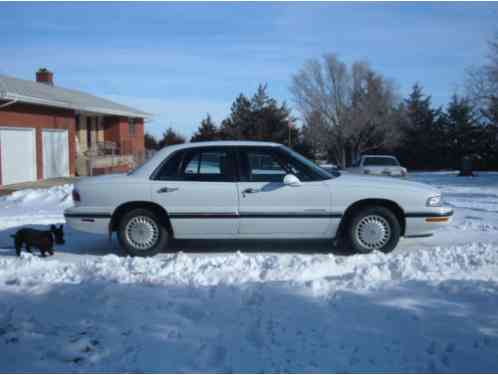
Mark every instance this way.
x=205 y=165
x=208 y=165
x=386 y=162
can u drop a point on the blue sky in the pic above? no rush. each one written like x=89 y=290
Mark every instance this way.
x=181 y=61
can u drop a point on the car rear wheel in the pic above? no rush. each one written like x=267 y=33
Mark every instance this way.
x=374 y=228
x=141 y=233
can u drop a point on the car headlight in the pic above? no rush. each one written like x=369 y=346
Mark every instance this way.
x=434 y=201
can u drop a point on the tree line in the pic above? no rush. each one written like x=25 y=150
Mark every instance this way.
x=346 y=111
x=256 y=118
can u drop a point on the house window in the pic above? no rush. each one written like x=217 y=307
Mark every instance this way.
x=131 y=127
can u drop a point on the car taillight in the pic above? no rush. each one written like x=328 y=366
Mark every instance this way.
x=76 y=196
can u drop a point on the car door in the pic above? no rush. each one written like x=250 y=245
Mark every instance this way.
x=269 y=208
x=197 y=188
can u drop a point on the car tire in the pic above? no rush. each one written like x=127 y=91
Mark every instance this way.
x=374 y=228
x=142 y=234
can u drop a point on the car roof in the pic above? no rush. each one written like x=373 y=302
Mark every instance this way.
x=379 y=156
x=219 y=143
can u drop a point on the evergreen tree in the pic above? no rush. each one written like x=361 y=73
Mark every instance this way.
x=170 y=137
x=236 y=125
x=464 y=132
x=423 y=133
x=207 y=131
x=260 y=118
x=150 y=142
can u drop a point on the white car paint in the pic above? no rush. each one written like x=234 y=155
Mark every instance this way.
x=199 y=209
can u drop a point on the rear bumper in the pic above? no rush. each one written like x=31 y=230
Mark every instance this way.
x=85 y=221
x=422 y=224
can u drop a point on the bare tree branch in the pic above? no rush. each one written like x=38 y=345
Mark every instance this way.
x=354 y=105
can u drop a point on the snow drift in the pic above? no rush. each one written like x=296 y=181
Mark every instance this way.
x=428 y=307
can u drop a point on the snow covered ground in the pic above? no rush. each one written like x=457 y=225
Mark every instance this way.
x=430 y=306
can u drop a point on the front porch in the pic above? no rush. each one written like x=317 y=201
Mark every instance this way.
x=108 y=144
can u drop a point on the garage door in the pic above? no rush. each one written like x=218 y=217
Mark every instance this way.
x=55 y=153
x=17 y=147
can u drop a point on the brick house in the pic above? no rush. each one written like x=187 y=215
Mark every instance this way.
x=47 y=131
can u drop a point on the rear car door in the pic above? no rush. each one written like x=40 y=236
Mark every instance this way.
x=269 y=208
x=197 y=188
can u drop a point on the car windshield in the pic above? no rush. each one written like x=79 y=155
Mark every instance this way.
x=387 y=161
x=326 y=175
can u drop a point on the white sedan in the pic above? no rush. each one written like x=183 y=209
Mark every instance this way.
x=384 y=165
x=249 y=190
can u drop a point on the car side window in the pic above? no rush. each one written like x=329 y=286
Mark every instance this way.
x=264 y=166
x=270 y=166
x=208 y=165
x=192 y=165
x=171 y=168
x=293 y=166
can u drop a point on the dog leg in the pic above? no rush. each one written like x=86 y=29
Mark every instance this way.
x=18 y=245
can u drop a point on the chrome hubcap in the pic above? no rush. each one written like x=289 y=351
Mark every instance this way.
x=373 y=232
x=142 y=232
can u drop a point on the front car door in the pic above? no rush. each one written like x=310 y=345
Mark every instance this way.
x=197 y=188
x=269 y=208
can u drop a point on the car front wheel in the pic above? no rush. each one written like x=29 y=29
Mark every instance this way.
x=141 y=233
x=374 y=228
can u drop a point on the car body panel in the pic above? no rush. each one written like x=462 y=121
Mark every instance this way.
x=198 y=212
x=276 y=208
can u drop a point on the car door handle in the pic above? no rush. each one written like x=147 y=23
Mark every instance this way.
x=249 y=191
x=166 y=190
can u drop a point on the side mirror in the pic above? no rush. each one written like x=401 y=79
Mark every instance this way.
x=291 y=180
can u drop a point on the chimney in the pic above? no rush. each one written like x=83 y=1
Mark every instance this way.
x=44 y=75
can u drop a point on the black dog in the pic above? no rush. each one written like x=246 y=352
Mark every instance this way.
x=43 y=240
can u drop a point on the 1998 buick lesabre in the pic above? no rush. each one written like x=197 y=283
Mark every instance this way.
x=249 y=190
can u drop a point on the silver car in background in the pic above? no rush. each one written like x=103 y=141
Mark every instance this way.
x=380 y=165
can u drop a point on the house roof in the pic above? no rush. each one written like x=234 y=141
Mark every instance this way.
x=40 y=93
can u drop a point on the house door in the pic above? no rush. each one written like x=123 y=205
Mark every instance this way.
x=55 y=153
x=18 y=155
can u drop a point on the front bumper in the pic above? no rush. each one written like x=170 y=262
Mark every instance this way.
x=420 y=224
x=85 y=220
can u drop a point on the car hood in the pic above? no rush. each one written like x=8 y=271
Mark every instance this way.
x=384 y=183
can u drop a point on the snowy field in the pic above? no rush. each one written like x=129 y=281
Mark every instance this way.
x=430 y=306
